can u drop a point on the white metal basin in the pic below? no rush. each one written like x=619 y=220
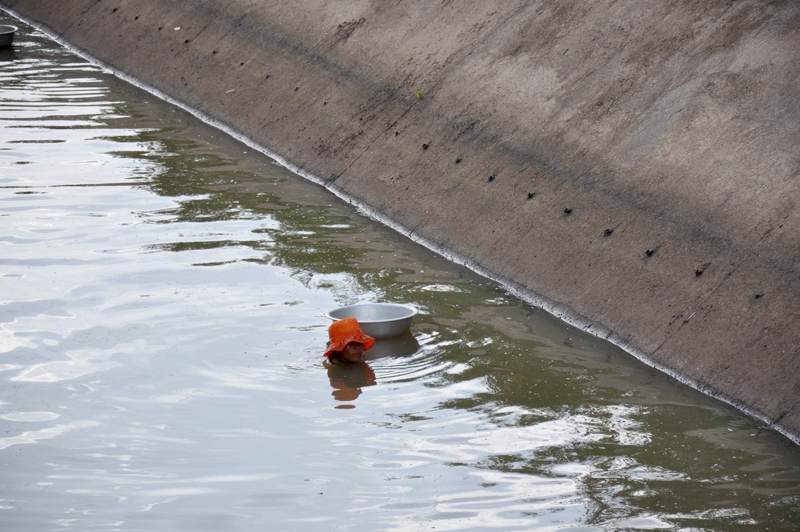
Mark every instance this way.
x=379 y=320
x=7 y=35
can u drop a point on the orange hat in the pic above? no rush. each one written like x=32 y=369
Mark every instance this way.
x=343 y=332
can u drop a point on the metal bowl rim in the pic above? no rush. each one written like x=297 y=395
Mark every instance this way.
x=414 y=311
x=7 y=28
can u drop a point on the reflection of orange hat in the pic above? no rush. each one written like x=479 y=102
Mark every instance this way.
x=343 y=332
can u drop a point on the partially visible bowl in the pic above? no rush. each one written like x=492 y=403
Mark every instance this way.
x=7 y=35
x=379 y=320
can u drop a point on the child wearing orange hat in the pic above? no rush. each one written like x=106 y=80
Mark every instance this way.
x=347 y=342
x=346 y=371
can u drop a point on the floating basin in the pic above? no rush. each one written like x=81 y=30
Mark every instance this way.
x=7 y=35
x=379 y=320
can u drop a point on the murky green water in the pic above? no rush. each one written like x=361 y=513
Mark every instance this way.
x=162 y=300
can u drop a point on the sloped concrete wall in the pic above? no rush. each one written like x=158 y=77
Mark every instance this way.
x=635 y=161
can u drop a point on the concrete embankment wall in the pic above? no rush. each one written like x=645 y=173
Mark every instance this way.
x=634 y=161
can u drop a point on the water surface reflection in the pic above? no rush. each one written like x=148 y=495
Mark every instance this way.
x=161 y=329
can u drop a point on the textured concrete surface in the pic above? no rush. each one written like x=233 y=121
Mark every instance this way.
x=670 y=131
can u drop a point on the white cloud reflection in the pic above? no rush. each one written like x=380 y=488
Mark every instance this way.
x=497 y=500
x=81 y=362
x=30 y=417
x=34 y=436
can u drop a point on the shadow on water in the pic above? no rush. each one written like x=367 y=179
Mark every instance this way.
x=399 y=346
x=7 y=54
x=163 y=323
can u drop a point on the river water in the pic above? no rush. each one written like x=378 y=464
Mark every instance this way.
x=162 y=298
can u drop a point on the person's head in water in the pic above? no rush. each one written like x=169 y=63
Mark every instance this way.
x=347 y=341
